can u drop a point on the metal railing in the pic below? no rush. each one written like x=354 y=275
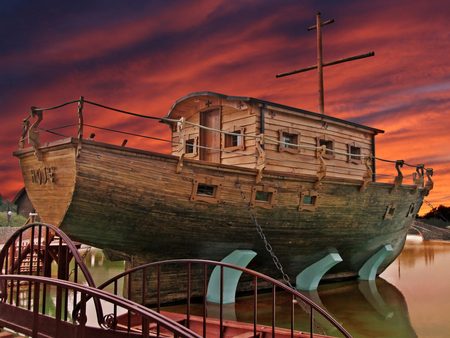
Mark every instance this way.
x=31 y=250
x=32 y=319
x=27 y=291
x=195 y=287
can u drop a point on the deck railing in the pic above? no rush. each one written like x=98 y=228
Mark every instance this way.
x=366 y=174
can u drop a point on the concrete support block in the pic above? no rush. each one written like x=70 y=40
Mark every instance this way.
x=309 y=278
x=369 y=269
x=230 y=277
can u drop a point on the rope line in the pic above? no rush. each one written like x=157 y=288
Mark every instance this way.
x=211 y=129
x=56 y=107
x=131 y=134
x=51 y=132
x=123 y=111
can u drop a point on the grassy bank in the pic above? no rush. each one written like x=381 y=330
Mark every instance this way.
x=16 y=220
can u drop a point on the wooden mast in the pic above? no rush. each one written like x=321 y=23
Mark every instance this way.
x=320 y=63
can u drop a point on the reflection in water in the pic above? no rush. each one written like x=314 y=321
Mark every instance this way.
x=368 y=308
x=410 y=299
x=421 y=273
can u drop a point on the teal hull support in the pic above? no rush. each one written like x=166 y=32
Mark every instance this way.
x=230 y=277
x=369 y=269
x=309 y=278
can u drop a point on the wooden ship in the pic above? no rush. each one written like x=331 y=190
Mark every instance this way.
x=243 y=174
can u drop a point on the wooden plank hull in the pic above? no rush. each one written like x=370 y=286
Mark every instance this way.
x=134 y=202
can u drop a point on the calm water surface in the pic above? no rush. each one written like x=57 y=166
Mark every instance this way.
x=410 y=299
x=422 y=274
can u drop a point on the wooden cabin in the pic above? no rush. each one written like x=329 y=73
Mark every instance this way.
x=291 y=139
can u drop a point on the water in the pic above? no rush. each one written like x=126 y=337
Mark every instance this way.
x=410 y=299
x=422 y=275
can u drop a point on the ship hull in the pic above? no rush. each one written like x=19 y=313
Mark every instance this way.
x=134 y=202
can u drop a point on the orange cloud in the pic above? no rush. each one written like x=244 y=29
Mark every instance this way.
x=144 y=59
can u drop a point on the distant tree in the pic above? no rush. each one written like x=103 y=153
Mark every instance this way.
x=438 y=213
x=3 y=204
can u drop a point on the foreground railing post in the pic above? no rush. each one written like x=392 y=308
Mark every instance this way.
x=205 y=269
x=255 y=304
x=292 y=316
x=36 y=304
x=274 y=289
x=83 y=317
x=58 y=309
x=221 y=301
x=188 y=296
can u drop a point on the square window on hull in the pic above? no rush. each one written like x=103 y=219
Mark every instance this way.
x=263 y=196
x=206 y=190
x=308 y=200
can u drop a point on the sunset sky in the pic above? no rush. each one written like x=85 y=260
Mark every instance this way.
x=142 y=56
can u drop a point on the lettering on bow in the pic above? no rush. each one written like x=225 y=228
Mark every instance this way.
x=43 y=175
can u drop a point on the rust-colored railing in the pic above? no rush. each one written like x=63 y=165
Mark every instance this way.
x=27 y=290
x=31 y=250
x=195 y=287
x=31 y=319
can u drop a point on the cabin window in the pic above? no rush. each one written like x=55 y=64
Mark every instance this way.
x=308 y=200
x=289 y=140
x=354 y=149
x=191 y=147
x=390 y=211
x=234 y=141
x=328 y=143
x=206 y=190
x=263 y=196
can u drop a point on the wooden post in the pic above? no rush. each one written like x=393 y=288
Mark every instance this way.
x=320 y=64
x=80 y=124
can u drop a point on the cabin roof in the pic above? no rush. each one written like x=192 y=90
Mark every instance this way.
x=189 y=100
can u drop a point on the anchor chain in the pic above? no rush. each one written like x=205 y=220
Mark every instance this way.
x=82 y=257
x=263 y=237
x=274 y=257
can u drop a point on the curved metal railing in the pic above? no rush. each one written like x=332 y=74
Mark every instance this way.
x=31 y=250
x=34 y=322
x=195 y=286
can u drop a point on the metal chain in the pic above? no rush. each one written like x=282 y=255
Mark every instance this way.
x=263 y=237
x=274 y=257
x=82 y=257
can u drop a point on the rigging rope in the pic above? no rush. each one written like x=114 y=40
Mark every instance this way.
x=211 y=129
